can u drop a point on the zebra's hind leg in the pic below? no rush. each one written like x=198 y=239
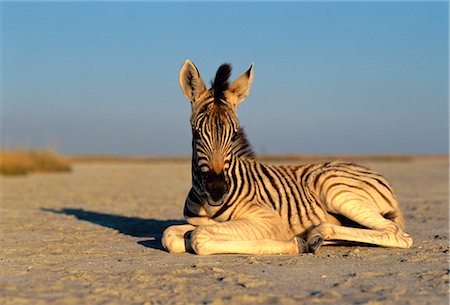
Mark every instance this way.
x=385 y=238
x=380 y=231
x=174 y=238
x=314 y=242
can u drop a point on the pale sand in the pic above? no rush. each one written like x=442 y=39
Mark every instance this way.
x=93 y=237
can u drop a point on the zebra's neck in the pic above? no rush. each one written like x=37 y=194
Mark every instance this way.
x=241 y=146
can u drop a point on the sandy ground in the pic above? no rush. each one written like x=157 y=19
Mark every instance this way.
x=93 y=237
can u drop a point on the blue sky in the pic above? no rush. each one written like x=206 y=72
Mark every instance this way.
x=330 y=77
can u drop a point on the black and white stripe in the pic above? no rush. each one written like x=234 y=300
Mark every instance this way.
x=312 y=201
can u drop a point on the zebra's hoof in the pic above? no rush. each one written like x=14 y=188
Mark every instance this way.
x=314 y=243
x=302 y=245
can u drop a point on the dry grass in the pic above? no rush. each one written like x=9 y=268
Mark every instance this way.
x=22 y=162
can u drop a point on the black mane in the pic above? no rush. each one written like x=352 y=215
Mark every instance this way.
x=220 y=83
x=242 y=147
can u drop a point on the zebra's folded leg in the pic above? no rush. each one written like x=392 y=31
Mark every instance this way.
x=314 y=242
x=380 y=230
x=174 y=238
x=244 y=237
x=380 y=237
x=302 y=245
x=256 y=247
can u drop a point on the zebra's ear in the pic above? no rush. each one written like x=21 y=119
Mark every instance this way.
x=239 y=89
x=191 y=82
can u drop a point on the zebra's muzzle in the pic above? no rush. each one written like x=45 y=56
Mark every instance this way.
x=216 y=186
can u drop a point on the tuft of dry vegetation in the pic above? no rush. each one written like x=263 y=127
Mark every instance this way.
x=22 y=162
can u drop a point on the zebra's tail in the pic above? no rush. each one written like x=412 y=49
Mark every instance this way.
x=396 y=216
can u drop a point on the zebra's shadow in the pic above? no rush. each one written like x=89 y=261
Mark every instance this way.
x=132 y=226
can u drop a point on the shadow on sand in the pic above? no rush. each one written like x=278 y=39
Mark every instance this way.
x=132 y=226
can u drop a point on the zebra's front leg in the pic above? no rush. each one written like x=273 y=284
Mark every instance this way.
x=246 y=236
x=174 y=238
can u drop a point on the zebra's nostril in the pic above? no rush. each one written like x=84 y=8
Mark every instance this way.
x=216 y=185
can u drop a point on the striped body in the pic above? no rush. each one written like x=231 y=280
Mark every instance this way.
x=239 y=205
x=300 y=195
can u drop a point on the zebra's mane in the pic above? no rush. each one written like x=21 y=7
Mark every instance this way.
x=242 y=147
x=220 y=83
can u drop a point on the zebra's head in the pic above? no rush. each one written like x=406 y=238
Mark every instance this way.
x=215 y=127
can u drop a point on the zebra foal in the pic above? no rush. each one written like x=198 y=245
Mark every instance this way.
x=239 y=205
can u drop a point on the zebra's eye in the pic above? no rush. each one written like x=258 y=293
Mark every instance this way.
x=235 y=137
x=195 y=134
